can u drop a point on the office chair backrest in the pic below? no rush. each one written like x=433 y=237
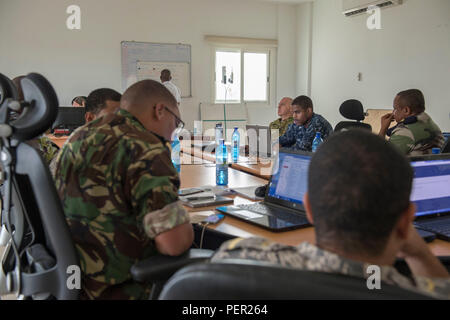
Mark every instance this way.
x=40 y=256
x=353 y=110
x=248 y=280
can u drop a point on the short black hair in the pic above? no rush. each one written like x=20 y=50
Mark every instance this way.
x=303 y=102
x=79 y=100
x=413 y=99
x=96 y=100
x=165 y=74
x=358 y=186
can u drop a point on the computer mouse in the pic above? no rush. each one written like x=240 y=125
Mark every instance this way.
x=261 y=191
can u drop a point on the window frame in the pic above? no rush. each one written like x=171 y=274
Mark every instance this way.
x=271 y=52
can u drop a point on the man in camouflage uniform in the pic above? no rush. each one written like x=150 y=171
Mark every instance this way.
x=100 y=102
x=300 y=135
x=119 y=191
x=416 y=133
x=367 y=221
x=285 y=113
x=47 y=147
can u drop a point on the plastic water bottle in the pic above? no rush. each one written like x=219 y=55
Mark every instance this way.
x=221 y=164
x=317 y=141
x=176 y=148
x=219 y=133
x=235 y=140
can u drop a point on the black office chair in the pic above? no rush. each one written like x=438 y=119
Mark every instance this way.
x=253 y=280
x=353 y=110
x=39 y=256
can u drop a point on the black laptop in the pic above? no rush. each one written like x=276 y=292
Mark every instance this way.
x=431 y=194
x=282 y=208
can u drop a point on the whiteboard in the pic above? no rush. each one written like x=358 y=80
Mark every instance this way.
x=145 y=60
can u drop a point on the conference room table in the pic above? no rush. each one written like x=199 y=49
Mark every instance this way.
x=197 y=172
x=198 y=169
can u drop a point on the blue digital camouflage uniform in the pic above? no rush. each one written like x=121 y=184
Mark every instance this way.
x=302 y=137
x=311 y=258
x=119 y=191
x=416 y=136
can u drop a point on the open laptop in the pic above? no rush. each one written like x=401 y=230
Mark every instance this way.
x=282 y=208
x=431 y=194
x=259 y=140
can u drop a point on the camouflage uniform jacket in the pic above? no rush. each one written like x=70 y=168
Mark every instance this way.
x=302 y=137
x=281 y=125
x=119 y=191
x=311 y=258
x=47 y=147
x=415 y=138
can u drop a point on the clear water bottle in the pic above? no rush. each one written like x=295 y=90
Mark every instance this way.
x=176 y=148
x=235 y=140
x=317 y=141
x=222 y=164
x=219 y=133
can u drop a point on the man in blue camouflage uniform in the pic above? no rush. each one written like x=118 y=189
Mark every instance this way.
x=119 y=191
x=361 y=218
x=300 y=135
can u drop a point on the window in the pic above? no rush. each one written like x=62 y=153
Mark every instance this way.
x=241 y=76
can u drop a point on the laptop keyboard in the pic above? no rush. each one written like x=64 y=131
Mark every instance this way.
x=279 y=213
x=440 y=226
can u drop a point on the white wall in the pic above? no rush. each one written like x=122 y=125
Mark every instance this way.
x=411 y=51
x=304 y=49
x=34 y=37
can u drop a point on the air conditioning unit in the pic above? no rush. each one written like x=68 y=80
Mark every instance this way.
x=355 y=7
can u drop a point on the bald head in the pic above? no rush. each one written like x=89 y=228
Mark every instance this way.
x=153 y=105
x=285 y=108
x=18 y=85
x=143 y=95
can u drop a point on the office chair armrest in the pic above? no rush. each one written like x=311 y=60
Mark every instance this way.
x=160 y=268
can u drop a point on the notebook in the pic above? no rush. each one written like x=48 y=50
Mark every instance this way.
x=204 y=196
x=282 y=208
x=431 y=194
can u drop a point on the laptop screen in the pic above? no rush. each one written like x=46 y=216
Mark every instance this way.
x=431 y=186
x=290 y=182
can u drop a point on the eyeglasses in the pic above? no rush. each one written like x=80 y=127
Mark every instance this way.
x=178 y=122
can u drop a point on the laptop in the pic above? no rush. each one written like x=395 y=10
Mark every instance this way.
x=431 y=194
x=282 y=208
x=259 y=140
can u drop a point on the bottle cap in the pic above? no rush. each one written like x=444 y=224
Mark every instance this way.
x=435 y=150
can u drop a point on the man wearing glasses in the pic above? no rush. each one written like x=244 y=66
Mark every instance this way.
x=120 y=192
